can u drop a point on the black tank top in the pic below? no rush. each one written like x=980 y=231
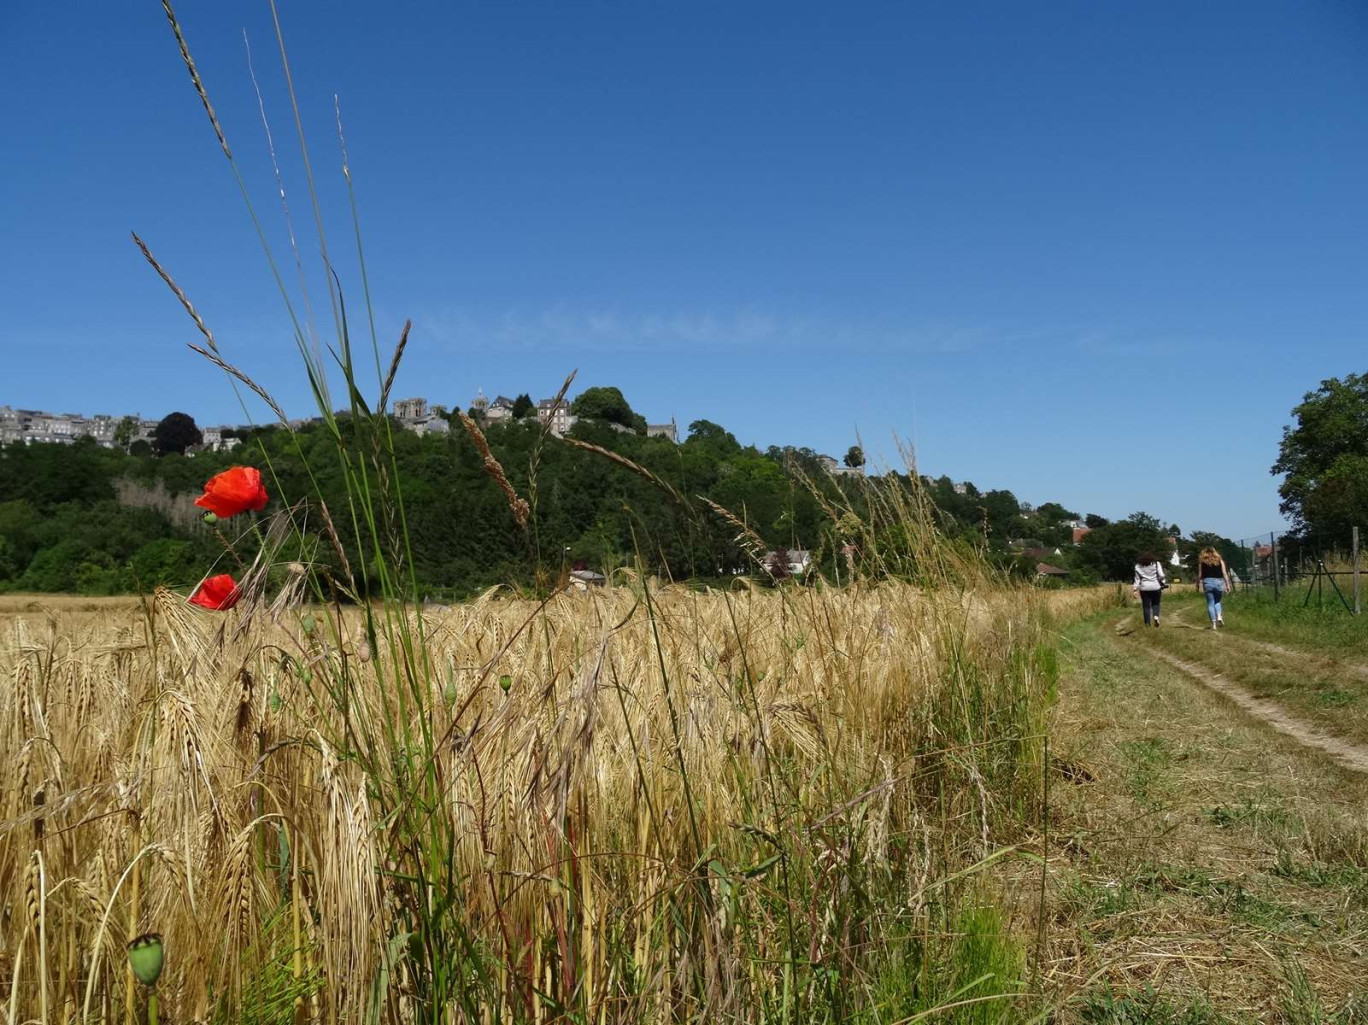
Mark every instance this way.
x=1211 y=571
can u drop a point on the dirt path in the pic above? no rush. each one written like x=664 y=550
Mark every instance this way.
x=1345 y=753
x=1351 y=756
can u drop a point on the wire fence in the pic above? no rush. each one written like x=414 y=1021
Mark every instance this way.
x=1324 y=575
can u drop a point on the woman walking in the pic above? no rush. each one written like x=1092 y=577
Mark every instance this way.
x=1213 y=580
x=1149 y=585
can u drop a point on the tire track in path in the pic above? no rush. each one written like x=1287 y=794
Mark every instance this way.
x=1342 y=752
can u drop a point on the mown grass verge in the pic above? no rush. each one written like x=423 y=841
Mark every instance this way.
x=1208 y=870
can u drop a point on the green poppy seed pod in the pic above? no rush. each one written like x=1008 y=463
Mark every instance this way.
x=505 y=682
x=145 y=958
x=308 y=624
x=210 y=519
x=275 y=701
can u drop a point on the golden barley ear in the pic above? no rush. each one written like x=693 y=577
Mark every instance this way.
x=746 y=538
x=337 y=544
x=242 y=723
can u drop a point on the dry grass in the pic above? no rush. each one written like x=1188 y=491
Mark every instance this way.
x=193 y=775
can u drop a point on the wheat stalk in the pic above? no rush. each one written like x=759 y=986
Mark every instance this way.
x=176 y=290
x=746 y=539
x=623 y=461
x=195 y=76
x=228 y=368
x=394 y=365
x=516 y=505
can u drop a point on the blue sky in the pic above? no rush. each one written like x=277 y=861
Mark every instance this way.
x=1093 y=253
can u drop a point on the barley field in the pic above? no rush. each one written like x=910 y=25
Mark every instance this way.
x=643 y=803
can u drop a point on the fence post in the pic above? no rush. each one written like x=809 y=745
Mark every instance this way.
x=1273 y=544
x=1358 y=609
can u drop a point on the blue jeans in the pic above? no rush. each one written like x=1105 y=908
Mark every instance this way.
x=1149 y=602
x=1214 y=589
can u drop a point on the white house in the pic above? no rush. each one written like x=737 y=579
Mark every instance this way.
x=798 y=564
x=583 y=579
x=833 y=466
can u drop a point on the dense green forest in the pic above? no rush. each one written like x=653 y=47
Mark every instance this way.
x=86 y=519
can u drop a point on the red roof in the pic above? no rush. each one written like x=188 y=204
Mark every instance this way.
x=1079 y=533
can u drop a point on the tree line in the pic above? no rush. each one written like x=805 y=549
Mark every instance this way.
x=85 y=519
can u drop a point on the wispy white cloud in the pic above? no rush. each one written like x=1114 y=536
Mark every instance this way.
x=564 y=328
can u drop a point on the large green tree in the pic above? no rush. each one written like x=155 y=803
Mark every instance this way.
x=1324 y=462
x=125 y=431
x=607 y=404
x=175 y=433
x=1110 y=550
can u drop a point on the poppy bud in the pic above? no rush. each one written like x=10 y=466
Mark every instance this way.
x=308 y=624
x=505 y=682
x=145 y=958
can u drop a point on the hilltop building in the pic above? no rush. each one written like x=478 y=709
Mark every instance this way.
x=33 y=425
x=416 y=415
x=834 y=466
x=669 y=431
x=556 y=414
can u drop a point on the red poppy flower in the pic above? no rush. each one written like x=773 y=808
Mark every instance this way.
x=216 y=593
x=233 y=491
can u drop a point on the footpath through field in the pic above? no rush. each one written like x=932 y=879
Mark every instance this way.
x=1204 y=867
x=1265 y=709
x=1309 y=688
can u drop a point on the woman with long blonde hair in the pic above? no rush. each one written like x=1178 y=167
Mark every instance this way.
x=1213 y=580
